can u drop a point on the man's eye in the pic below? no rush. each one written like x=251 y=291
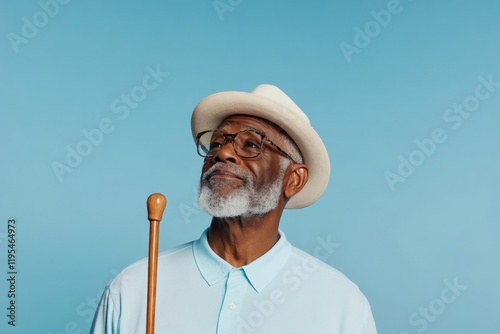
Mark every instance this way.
x=215 y=145
x=252 y=144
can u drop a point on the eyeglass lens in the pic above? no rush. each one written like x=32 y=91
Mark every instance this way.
x=247 y=144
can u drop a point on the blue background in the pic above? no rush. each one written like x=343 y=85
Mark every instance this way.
x=75 y=232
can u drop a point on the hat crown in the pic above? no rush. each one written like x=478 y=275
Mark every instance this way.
x=272 y=92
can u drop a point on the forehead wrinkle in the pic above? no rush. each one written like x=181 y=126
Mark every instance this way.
x=226 y=124
x=272 y=131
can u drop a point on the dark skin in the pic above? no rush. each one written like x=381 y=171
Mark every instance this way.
x=241 y=240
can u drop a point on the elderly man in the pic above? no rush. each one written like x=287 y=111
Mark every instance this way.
x=261 y=155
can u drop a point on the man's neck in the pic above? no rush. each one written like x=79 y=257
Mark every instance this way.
x=239 y=241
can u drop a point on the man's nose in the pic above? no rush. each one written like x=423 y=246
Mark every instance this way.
x=227 y=153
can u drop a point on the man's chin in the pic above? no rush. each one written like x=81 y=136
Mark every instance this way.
x=222 y=211
x=224 y=187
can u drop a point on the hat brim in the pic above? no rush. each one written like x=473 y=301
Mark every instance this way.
x=212 y=110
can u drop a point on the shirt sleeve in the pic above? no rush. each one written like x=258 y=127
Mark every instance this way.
x=369 y=326
x=106 y=316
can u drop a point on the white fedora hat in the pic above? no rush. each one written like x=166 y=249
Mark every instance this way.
x=269 y=102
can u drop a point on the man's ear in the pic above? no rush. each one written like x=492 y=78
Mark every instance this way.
x=297 y=179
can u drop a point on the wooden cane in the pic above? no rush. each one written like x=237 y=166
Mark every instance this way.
x=156 y=206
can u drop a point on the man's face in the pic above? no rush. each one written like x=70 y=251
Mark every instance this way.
x=232 y=186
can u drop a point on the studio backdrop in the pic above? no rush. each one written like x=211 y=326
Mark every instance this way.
x=96 y=101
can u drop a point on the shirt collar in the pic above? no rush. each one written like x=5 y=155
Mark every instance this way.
x=259 y=272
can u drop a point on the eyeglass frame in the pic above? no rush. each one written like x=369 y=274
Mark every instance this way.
x=263 y=136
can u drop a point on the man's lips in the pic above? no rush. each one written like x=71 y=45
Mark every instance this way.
x=221 y=173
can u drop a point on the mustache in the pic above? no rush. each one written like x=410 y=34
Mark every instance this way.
x=224 y=166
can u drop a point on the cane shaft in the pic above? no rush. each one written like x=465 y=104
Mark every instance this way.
x=152 y=274
x=156 y=205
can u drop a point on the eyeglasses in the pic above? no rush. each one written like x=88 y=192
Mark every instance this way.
x=246 y=143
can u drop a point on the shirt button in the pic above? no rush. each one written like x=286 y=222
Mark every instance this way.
x=231 y=306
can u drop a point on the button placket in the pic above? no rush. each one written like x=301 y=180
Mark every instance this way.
x=236 y=287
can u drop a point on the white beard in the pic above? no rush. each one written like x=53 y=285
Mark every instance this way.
x=242 y=202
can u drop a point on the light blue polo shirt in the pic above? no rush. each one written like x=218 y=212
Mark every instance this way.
x=284 y=291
